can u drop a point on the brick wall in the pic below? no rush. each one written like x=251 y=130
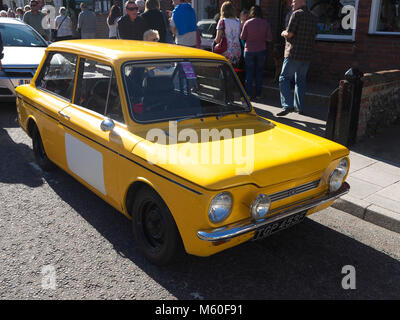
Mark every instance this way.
x=380 y=102
x=370 y=53
x=332 y=59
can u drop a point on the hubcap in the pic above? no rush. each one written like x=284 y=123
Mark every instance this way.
x=153 y=224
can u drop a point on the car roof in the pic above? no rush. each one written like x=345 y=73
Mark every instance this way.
x=4 y=20
x=204 y=21
x=109 y=49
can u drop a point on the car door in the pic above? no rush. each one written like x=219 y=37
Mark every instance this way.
x=54 y=90
x=91 y=153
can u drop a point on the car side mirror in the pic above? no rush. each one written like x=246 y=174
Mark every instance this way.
x=107 y=125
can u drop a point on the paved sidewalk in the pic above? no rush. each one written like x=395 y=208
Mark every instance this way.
x=374 y=167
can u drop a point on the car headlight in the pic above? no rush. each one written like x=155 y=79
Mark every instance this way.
x=220 y=207
x=260 y=206
x=337 y=176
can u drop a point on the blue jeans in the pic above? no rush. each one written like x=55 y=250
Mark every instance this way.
x=254 y=63
x=297 y=70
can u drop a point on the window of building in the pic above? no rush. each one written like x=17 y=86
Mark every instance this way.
x=336 y=18
x=58 y=74
x=97 y=89
x=385 y=17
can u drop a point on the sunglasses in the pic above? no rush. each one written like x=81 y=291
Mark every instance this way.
x=132 y=8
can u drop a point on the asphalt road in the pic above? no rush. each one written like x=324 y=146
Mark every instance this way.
x=49 y=222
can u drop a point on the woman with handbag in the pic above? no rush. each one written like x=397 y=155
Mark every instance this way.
x=256 y=32
x=63 y=26
x=227 y=41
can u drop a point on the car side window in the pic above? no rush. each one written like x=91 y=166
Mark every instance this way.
x=58 y=74
x=97 y=89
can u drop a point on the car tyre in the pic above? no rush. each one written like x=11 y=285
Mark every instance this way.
x=38 y=150
x=154 y=228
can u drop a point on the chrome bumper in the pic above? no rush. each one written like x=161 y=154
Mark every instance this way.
x=249 y=225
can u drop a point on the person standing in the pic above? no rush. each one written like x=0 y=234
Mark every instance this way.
x=63 y=25
x=86 y=22
x=112 y=21
x=20 y=13
x=300 y=39
x=131 y=26
x=155 y=19
x=10 y=13
x=243 y=17
x=256 y=33
x=34 y=18
x=141 y=5
x=183 y=24
x=229 y=26
x=151 y=35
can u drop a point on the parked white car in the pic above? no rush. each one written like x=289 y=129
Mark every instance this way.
x=23 y=50
x=208 y=31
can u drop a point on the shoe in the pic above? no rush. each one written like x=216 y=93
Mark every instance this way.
x=284 y=112
x=299 y=112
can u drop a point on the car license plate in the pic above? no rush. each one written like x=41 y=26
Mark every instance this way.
x=279 y=225
x=24 y=81
x=18 y=82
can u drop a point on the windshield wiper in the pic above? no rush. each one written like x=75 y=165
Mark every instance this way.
x=224 y=114
x=198 y=115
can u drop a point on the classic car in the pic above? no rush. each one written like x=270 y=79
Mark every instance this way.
x=23 y=50
x=168 y=137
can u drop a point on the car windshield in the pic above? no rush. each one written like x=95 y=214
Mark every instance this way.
x=20 y=35
x=160 y=91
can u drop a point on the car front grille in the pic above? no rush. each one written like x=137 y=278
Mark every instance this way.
x=294 y=191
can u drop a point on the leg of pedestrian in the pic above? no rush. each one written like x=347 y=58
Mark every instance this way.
x=300 y=86
x=285 y=79
x=261 y=56
x=249 y=65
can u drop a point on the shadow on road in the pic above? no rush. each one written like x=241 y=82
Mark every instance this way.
x=311 y=127
x=15 y=158
x=304 y=262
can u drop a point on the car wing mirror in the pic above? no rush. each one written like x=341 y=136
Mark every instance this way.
x=107 y=125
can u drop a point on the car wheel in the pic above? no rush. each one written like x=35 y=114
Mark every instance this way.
x=40 y=154
x=154 y=228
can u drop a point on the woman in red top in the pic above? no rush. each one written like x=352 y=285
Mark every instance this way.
x=256 y=32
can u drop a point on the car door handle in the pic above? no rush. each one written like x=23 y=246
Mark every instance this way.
x=63 y=115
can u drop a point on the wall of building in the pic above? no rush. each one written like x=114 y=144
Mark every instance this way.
x=380 y=102
x=370 y=53
x=332 y=59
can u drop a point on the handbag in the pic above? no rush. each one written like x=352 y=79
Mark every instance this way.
x=222 y=46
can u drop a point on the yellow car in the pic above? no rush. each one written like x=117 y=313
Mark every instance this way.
x=167 y=136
